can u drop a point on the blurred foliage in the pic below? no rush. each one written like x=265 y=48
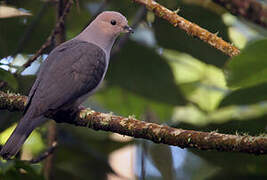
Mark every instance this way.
x=16 y=169
x=127 y=102
x=250 y=67
x=155 y=71
x=8 y=78
x=252 y=95
x=201 y=83
x=186 y=84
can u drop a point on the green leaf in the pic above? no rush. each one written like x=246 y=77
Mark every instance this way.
x=16 y=169
x=201 y=83
x=141 y=70
x=125 y=103
x=9 y=78
x=6 y=166
x=219 y=118
x=25 y=83
x=251 y=95
x=173 y=38
x=250 y=67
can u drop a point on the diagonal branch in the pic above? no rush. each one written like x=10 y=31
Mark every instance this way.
x=150 y=131
x=55 y=31
x=27 y=34
x=45 y=154
x=190 y=28
x=251 y=10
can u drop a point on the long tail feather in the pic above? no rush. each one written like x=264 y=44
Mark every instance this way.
x=19 y=136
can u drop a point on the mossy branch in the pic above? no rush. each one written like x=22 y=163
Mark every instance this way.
x=189 y=27
x=139 y=129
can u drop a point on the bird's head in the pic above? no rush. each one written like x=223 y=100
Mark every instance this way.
x=112 y=23
x=105 y=29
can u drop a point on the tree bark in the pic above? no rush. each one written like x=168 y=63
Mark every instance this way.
x=151 y=131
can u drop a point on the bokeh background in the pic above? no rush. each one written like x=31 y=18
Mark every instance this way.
x=160 y=74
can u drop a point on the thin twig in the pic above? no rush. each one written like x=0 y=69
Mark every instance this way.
x=27 y=34
x=251 y=10
x=190 y=28
x=151 y=131
x=45 y=154
x=50 y=38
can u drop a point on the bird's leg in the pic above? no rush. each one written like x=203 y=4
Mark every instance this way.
x=64 y=115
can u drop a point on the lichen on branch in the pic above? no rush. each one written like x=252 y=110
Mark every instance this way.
x=150 y=131
x=190 y=28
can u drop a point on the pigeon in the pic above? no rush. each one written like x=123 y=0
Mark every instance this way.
x=72 y=72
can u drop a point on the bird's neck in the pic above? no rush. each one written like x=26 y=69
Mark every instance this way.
x=93 y=35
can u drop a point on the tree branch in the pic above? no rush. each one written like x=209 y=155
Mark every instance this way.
x=45 y=154
x=251 y=10
x=55 y=31
x=139 y=129
x=190 y=28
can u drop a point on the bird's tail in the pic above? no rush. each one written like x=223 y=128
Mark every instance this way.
x=19 y=135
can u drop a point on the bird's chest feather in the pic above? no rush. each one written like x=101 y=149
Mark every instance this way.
x=90 y=75
x=71 y=73
x=88 y=71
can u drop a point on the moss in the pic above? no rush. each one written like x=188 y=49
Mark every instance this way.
x=106 y=118
x=123 y=122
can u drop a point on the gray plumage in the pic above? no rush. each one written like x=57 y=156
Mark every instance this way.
x=71 y=73
x=61 y=87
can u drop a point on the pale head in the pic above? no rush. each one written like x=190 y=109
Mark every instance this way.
x=104 y=30
x=112 y=23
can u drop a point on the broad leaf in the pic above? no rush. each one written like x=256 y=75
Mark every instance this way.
x=244 y=96
x=8 y=78
x=250 y=67
x=141 y=70
x=201 y=83
x=125 y=103
x=229 y=118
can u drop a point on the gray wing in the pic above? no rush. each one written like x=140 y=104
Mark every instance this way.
x=70 y=71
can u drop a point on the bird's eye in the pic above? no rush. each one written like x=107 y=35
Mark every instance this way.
x=113 y=22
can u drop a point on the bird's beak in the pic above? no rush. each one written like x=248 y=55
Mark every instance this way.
x=128 y=29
